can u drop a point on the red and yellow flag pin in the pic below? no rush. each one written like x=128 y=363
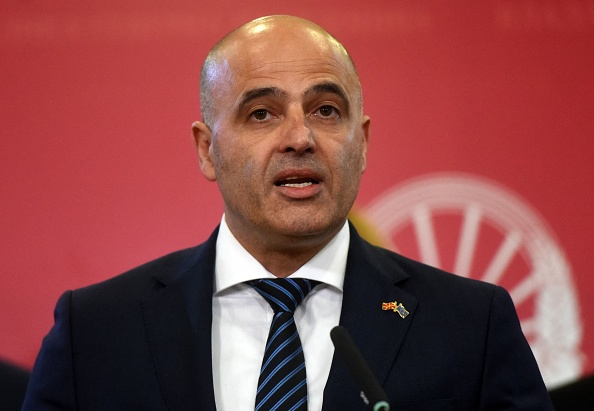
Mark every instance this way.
x=396 y=307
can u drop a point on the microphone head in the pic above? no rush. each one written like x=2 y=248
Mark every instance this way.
x=371 y=391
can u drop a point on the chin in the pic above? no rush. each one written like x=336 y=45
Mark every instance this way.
x=311 y=225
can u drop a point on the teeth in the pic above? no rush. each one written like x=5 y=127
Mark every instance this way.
x=298 y=185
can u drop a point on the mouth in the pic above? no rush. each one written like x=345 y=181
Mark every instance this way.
x=296 y=182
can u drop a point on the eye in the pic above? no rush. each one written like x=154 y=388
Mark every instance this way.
x=327 y=112
x=260 y=114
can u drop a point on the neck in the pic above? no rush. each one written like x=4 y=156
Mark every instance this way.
x=283 y=255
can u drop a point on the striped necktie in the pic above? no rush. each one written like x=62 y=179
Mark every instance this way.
x=282 y=385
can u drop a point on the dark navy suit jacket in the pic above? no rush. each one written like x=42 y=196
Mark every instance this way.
x=142 y=340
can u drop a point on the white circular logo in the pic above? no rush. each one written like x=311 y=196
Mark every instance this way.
x=477 y=228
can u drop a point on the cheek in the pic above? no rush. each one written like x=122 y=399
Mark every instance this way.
x=235 y=165
x=351 y=168
x=351 y=159
x=219 y=159
x=248 y=170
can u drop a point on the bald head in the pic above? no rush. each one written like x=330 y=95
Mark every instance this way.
x=283 y=136
x=269 y=33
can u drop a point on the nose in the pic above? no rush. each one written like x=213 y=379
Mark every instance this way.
x=297 y=136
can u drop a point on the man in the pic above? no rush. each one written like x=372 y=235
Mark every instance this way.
x=285 y=138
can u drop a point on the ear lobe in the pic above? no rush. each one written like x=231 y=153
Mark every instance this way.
x=203 y=140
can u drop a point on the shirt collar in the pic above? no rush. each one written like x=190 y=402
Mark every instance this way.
x=235 y=265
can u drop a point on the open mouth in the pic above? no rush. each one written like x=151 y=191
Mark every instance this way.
x=296 y=182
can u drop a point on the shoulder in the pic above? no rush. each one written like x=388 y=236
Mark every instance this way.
x=422 y=280
x=423 y=276
x=142 y=281
x=145 y=277
x=445 y=300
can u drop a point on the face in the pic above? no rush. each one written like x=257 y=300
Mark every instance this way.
x=287 y=142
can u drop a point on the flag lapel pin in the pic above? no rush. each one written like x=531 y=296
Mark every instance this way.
x=396 y=307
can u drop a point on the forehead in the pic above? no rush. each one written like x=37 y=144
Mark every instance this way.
x=285 y=58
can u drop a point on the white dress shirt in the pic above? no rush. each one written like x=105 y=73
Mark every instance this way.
x=241 y=320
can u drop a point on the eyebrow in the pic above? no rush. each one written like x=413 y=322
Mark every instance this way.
x=256 y=93
x=332 y=88
x=320 y=88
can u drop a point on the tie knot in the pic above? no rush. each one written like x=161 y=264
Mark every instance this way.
x=284 y=294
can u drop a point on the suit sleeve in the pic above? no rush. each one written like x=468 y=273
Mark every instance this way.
x=51 y=386
x=511 y=378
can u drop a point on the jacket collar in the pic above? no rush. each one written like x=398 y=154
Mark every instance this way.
x=178 y=320
x=371 y=279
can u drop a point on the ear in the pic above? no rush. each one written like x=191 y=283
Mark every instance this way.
x=203 y=141
x=365 y=129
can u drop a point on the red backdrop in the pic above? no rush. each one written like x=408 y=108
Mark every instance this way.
x=99 y=173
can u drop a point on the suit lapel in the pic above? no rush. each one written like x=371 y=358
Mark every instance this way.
x=371 y=279
x=178 y=320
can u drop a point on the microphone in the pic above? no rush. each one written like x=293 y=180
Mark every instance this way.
x=371 y=391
